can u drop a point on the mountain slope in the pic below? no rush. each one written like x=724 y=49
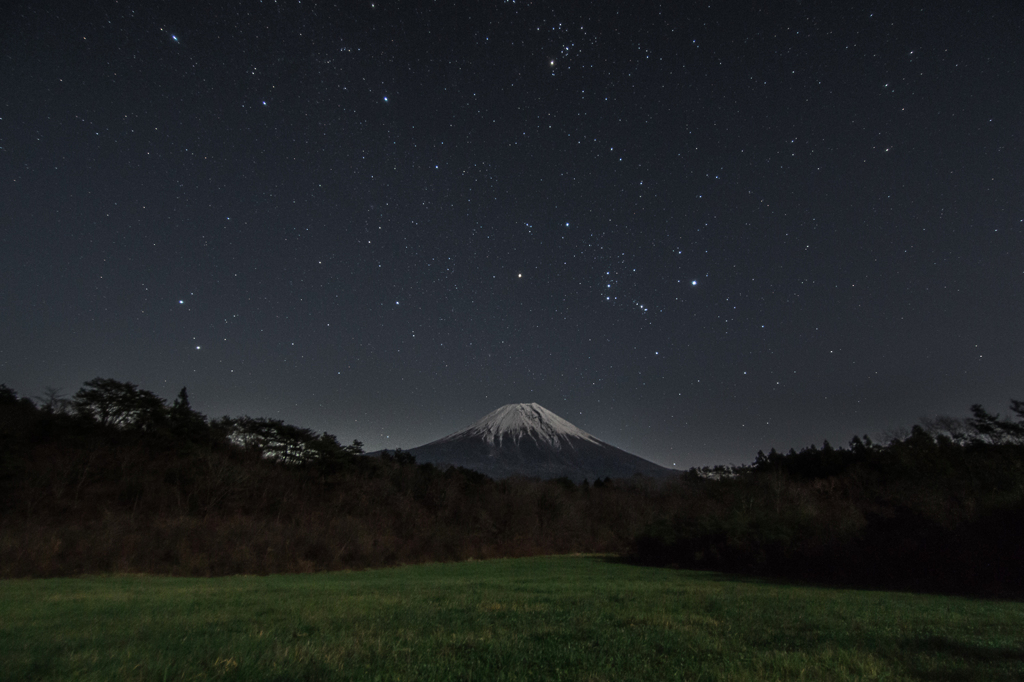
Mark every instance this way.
x=526 y=439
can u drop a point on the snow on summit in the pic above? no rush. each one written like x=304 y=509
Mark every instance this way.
x=524 y=439
x=524 y=420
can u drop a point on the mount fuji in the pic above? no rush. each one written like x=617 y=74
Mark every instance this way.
x=525 y=439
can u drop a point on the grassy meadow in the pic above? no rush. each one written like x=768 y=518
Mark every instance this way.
x=548 y=618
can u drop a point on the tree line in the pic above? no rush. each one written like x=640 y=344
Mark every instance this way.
x=938 y=508
x=117 y=479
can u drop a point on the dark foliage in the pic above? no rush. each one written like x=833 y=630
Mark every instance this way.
x=124 y=482
x=120 y=404
x=117 y=480
x=921 y=512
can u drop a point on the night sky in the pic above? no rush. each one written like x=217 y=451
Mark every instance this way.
x=693 y=230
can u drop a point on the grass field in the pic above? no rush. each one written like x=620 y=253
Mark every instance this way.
x=551 y=618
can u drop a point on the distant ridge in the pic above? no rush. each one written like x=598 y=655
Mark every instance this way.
x=526 y=439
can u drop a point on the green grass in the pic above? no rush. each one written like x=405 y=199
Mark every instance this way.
x=551 y=618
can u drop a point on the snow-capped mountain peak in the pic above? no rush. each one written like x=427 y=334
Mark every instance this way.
x=518 y=421
x=525 y=439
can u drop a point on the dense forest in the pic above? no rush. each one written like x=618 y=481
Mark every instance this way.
x=116 y=479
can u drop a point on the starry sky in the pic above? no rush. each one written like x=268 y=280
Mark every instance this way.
x=694 y=230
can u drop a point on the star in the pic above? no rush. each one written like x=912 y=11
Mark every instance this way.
x=465 y=179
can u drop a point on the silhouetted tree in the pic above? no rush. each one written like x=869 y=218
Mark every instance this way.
x=272 y=438
x=186 y=422
x=326 y=456
x=119 y=404
x=53 y=401
x=398 y=456
x=985 y=424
